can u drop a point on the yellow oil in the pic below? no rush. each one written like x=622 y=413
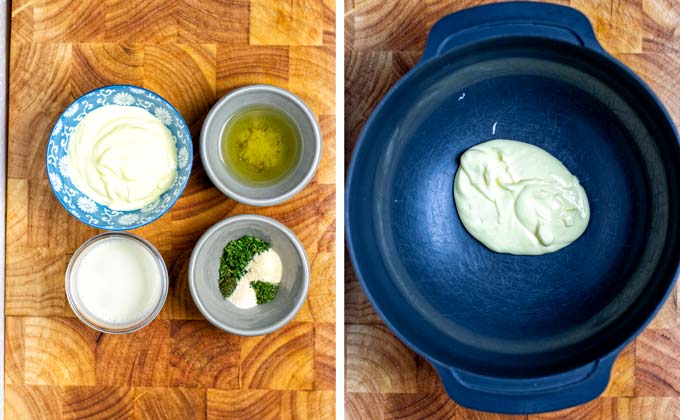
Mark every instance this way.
x=260 y=144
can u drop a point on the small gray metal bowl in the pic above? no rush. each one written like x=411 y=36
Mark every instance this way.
x=262 y=319
x=266 y=194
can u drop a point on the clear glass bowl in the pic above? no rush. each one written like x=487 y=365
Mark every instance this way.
x=77 y=305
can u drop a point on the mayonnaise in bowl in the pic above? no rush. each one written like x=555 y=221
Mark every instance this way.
x=517 y=198
x=122 y=157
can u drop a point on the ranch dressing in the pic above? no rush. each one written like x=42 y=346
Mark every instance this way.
x=517 y=198
x=118 y=281
x=122 y=157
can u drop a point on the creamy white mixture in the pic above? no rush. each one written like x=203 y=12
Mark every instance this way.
x=122 y=157
x=118 y=281
x=264 y=267
x=517 y=198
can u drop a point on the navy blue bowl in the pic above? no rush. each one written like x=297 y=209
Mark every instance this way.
x=83 y=207
x=516 y=334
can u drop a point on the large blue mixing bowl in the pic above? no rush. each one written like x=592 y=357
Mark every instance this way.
x=508 y=333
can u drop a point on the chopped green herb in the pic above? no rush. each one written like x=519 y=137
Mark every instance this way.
x=264 y=291
x=235 y=259
x=227 y=286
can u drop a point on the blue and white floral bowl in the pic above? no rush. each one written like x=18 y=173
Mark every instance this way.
x=83 y=207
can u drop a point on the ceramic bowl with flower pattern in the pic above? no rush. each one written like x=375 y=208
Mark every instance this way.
x=83 y=207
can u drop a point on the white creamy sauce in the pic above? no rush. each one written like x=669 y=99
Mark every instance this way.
x=517 y=198
x=266 y=266
x=122 y=157
x=118 y=281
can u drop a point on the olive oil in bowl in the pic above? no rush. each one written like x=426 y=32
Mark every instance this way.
x=260 y=145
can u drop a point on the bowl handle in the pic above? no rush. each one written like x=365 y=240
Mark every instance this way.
x=502 y=20
x=527 y=396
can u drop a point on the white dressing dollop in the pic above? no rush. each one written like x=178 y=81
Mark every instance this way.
x=517 y=198
x=122 y=157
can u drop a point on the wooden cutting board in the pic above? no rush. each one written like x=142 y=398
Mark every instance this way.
x=384 y=379
x=191 y=52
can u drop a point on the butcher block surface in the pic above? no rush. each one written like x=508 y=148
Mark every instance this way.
x=192 y=52
x=384 y=379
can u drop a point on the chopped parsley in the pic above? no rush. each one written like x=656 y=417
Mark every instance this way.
x=264 y=291
x=235 y=259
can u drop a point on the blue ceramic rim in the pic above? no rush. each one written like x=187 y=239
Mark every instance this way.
x=423 y=66
x=190 y=162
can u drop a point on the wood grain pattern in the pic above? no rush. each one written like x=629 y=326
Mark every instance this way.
x=297 y=22
x=281 y=360
x=213 y=21
x=324 y=356
x=376 y=361
x=95 y=65
x=312 y=77
x=308 y=405
x=200 y=358
x=244 y=405
x=657 y=369
x=424 y=406
x=192 y=52
x=149 y=22
x=169 y=69
x=668 y=314
x=179 y=304
x=52 y=21
x=640 y=408
x=364 y=405
x=256 y=64
x=661 y=26
x=170 y=404
x=323 y=269
x=33 y=402
x=30 y=295
x=14 y=356
x=17 y=224
x=329 y=23
x=617 y=23
x=58 y=351
x=326 y=173
x=35 y=71
x=22 y=20
x=49 y=226
x=358 y=309
x=97 y=403
x=622 y=383
x=467 y=414
x=272 y=405
x=325 y=206
x=138 y=359
x=374 y=27
x=321 y=307
x=384 y=379
x=590 y=410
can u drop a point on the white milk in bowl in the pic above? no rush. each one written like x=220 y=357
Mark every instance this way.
x=116 y=282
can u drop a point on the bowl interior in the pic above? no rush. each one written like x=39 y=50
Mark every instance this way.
x=211 y=138
x=261 y=319
x=413 y=252
x=83 y=207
